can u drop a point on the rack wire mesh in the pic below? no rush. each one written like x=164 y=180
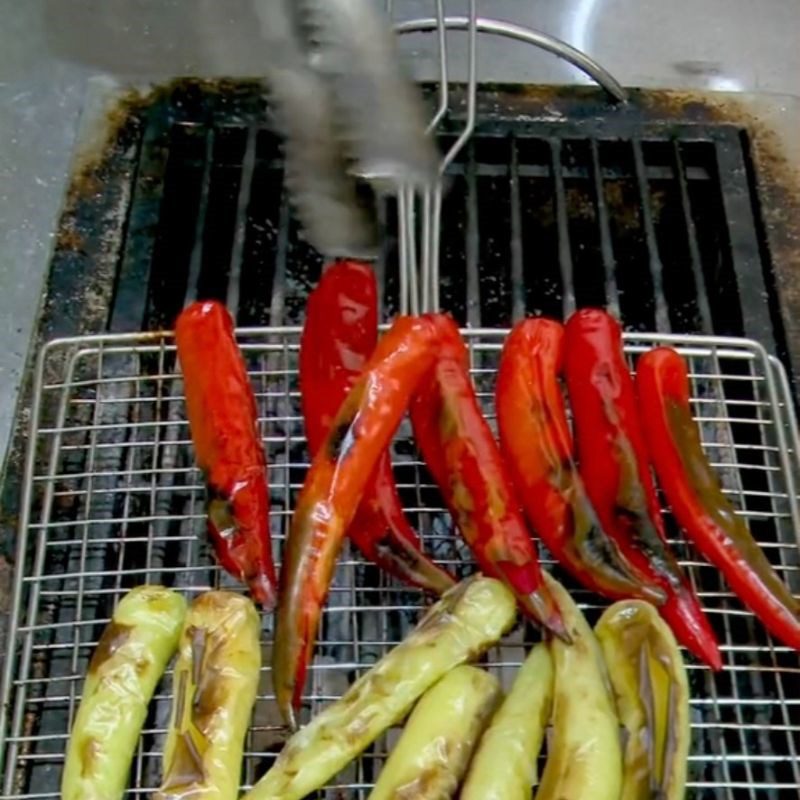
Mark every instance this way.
x=112 y=499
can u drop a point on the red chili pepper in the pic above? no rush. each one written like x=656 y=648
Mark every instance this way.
x=223 y=421
x=694 y=494
x=464 y=459
x=339 y=474
x=616 y=473
x=338 y=338
x=535 y=436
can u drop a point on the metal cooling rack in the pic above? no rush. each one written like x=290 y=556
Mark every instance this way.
x=112 y=499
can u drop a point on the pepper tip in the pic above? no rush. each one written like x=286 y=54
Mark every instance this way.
x=263 y=592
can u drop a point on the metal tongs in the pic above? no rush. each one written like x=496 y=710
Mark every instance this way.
x=349 y=116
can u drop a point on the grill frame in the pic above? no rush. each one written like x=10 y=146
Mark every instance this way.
x=69 y=419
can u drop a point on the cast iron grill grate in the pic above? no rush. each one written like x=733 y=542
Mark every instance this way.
x=657 y=223
x=113 y=500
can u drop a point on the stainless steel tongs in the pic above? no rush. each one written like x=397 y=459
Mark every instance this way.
x=349 y=117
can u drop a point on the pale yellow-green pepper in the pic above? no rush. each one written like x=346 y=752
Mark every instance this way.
x=467 y=620
x=128 y=662
x=584 y=756
x=433 y=752
x=652 y=692
x=504 y=765
x=215 y=685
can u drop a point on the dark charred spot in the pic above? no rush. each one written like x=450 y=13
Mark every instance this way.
x=208 y=699
x=114 y=637
x=598 y=549
x=197 y=637
x=392 y=549
x=341 y=439
x=186 y=769
x=643 y=533
x=220 y=510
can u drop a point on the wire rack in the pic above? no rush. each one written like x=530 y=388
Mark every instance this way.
x=112 y=499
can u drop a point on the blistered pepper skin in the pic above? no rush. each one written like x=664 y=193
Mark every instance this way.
x=696 y=498
x=214 y=687
x=126 y=666
x=651 y=690
x=584 y=757
x=535 y=437
x=439 y=737
x=332 y=490
x=515 y=735
x=465 y=461
x=616 y=472
x=459 y=627
x=339 y=336
x=223 y=421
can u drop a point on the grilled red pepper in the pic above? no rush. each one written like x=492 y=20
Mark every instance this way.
x=334 y=486
x=694 y=494
x=222 y=417
x=535 y=436
x=614 y=467
x=338 y=338
x=464 y=459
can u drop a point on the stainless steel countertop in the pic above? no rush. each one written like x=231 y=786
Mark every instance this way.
x=49 y=49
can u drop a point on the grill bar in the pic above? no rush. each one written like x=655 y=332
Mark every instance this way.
x=609 y=264
x=564 y=246
x=701 y=292
x=245 y=189
x=744 y=244
x=472 y=246
x=196 y=258
x=656 y=267
x=134 y=271
x=517 y=266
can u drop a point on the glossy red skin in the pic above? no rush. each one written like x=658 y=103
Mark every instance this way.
x=463 y=457
x=616 y=472
x=536 y=440
x=334 y=486
x=223 y=421
x=694 y=494
x=339 y=336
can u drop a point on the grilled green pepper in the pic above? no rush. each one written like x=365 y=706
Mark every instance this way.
x=128 y=662
x=514 y=736
x=215 y=684
x=468 y=619
x=649 y=680
x=584 y=756
x=436 y=744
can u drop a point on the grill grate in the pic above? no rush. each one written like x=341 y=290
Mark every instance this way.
x=656 y=221
x=112 y=499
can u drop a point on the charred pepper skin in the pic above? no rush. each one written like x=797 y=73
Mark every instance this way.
x=464 y=459
x=615 y=470
x=535 y=437
x=339 y=336
x=693 y=492
x=223 y=421
x=334 y=486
